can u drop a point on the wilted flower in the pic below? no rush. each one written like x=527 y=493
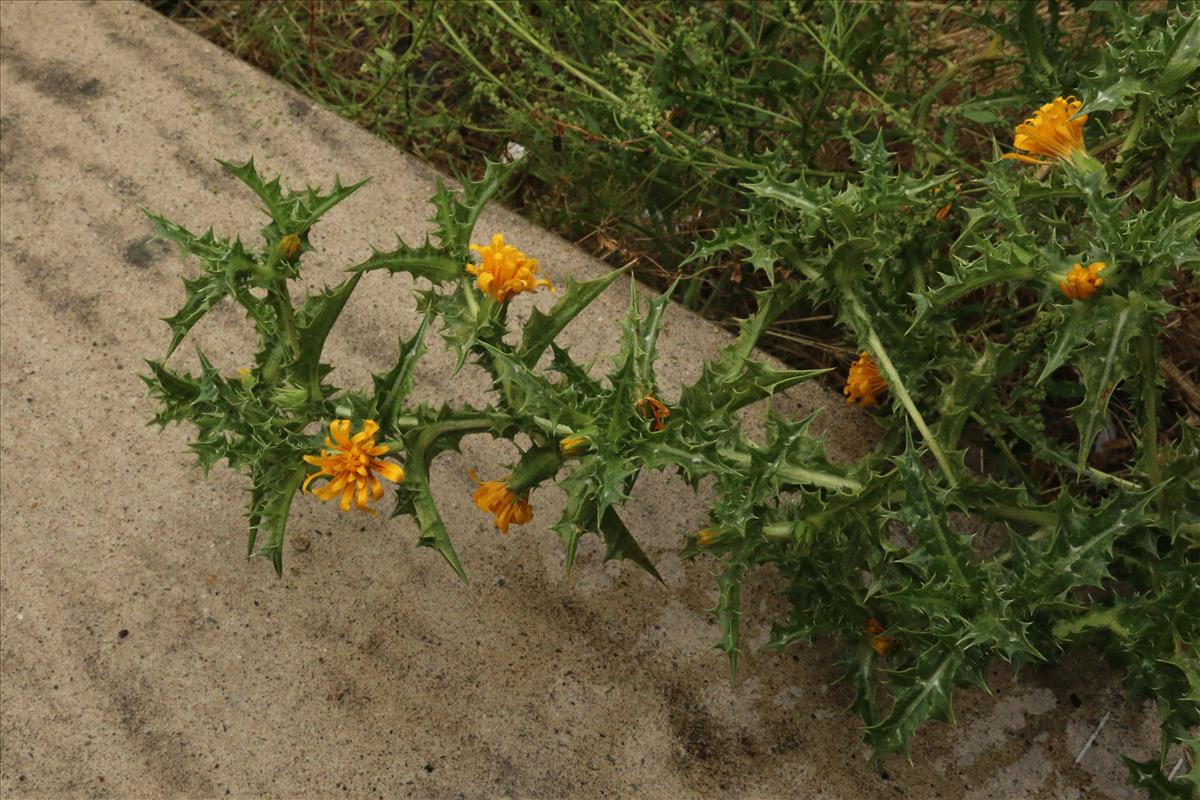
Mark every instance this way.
x=864 y=384
x=883 y=644
x=943 y=212
x=504 y=270
x=505 y=507
x=1054 y=130
x=651 y=407
x=1080 y=283
x=351 y=466
x=880 y=644
x=709 y=536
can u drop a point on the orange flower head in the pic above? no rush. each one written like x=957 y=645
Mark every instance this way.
x=880 y=644
x=709 y=536
x=651 y=407
x=864 y=384
x=352 y=466
x=505 y=507
x=943 y=212
x=883 y=644
x=289 y=246
x=1080 y=283
x=1055 y=130
x=504 y=270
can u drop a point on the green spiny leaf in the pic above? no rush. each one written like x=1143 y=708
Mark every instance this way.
x=393 y=387
x=426 y=261
x=313 y=324
x=621 y=544
x=542 y=329
x=920 y=693
x=278 y=495
x=729 y=609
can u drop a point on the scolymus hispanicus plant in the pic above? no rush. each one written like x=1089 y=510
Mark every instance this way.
x=1028 y=290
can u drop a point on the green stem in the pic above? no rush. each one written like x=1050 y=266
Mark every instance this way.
x=473 y=422
x=1148 y=356
x=812 y=477
x=798 y=475
x=897 y=386
x=1030 y=515
x=779 y=530
x=1135 y=130
x=535 y=466
x=286 y=315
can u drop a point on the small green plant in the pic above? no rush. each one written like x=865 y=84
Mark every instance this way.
x=1023 y=499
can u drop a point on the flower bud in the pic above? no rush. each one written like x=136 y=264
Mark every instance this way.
x=1080 y=283
x=289 y=246
x=246 y=375
x=574 y=445
x=290 y=397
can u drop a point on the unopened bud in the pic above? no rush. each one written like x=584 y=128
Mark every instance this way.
x=289 y=246
x=246 y=375
x=574 y=445
x=292 y=397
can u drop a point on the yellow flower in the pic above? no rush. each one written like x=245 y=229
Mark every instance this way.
x=864 y=383
x=651 y=407
x=574 y=445
x=351 y=466
x=289 y=246
x=505 y=507
x=1054 y=130
x=1080 y=283
x=709 y=536
x=505 y=270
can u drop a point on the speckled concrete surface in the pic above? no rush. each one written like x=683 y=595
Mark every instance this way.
x=143 y=657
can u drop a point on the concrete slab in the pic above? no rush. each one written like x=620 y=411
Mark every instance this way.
x=143 y=657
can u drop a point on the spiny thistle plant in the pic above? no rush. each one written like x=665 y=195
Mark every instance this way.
x=980 y=332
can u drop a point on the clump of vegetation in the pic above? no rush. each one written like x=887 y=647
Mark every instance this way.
x=1017 y=299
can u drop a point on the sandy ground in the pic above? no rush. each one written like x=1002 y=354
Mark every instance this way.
x=142 y=655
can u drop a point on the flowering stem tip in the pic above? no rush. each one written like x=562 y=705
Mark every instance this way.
x=504 y=270
x=651 y=408
x=505 y=507
x=351 y=466
x=1080 y=283
x=1055 y=130
x=864 y=384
